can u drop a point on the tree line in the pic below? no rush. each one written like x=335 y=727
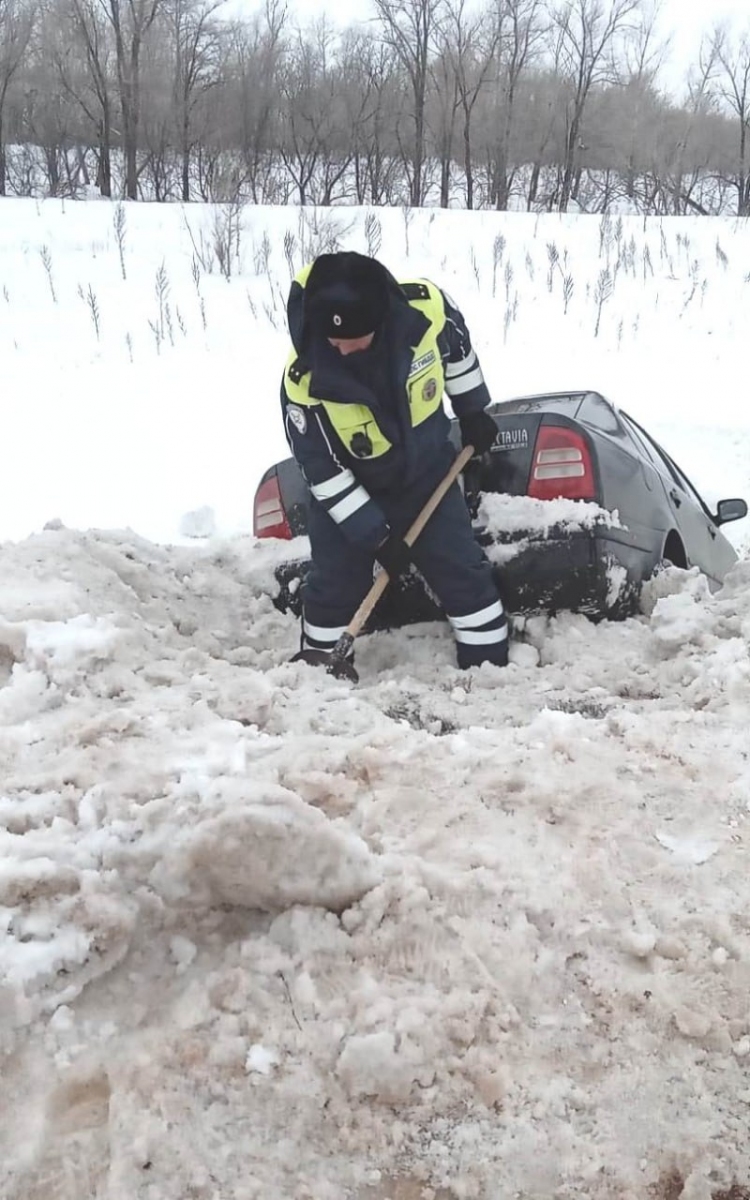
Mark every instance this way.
x=534 y=104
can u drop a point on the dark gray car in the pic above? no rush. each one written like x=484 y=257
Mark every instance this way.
x=573 y=445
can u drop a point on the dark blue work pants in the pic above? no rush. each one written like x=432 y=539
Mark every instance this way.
x=448 y=557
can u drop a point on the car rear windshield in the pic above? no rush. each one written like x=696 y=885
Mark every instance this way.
x=567 y=404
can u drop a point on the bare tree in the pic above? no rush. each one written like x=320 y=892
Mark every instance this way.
x=314 y=145
x=249 y=113
x=48 y=112
x=83 y=60
x=198 y=48
x=587 y=32
x=535 y=147
x=638 y=102
x=686 y=156
x=471 y=43
x=131 y=22
x=547 y=100
x=159 y=134
x=732 y=58
x=16 y=26
x=442 y=116
x=520 y=33
x=409 y=27
x=373 y=88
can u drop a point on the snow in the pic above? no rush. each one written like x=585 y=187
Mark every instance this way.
x=520 y=514
x=171 y=407
x=527 y=520
x=441 y=935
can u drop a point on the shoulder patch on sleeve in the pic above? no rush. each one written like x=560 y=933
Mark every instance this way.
x=295 y=371
x=415 y=291
x=298 y=417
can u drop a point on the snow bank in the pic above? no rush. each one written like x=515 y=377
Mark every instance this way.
x=443 y=936
x=264 y=934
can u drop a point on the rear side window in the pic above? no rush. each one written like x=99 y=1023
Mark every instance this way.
x=595 y=411
x=682 y=480
x=644 y=444
x=664 y=463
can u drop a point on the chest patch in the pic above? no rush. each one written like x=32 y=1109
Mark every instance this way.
x=421 y=364
x=298 y=417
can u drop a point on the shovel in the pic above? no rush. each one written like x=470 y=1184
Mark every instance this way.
x=336 y=661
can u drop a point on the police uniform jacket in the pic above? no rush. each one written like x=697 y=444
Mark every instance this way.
x=373 y=423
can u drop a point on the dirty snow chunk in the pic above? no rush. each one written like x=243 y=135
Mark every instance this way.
x=372 y=1064
x=12 y=641
x=23 y=963
x=26 y=695
x=63 y=1019
x=34 y=879
x=692 y=1022
x=77 y=642
x=690 y=850
x=672 y=593
x=200 y=523
x=523 y=655
x=60 y=927
x=501 y=553
x=667 y=581
x=639 y=943
x=270 y=850
x=677 y=620
x=183 y=951
x=261 y=1060
x=18 y=813
x=524 y=514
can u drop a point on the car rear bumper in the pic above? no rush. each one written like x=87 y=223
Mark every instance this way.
x=583 y=571
x=552 y=574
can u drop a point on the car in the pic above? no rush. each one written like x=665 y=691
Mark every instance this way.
x=638 y=512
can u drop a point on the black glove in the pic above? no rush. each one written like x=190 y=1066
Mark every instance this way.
x=478 y=430
x=394 y=556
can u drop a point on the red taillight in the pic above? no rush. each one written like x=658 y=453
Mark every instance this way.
x=269 y=518
x=562 y=466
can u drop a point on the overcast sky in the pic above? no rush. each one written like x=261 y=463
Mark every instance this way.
x=686 y=20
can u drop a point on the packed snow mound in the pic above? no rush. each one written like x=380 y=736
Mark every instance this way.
x=263 y=934
x=267 y=849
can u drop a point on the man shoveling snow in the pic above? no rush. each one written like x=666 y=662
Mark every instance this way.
x=363 y=407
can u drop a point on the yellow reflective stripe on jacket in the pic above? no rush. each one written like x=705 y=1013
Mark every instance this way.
x=347 y=419
x=425 y=383
x=350 y=419
x=302 y=276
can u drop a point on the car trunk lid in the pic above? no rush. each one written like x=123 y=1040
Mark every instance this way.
x=539 y=454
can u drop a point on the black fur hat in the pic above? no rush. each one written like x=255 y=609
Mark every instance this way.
x=346 y=295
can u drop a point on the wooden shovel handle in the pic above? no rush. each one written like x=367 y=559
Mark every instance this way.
x=383 y=579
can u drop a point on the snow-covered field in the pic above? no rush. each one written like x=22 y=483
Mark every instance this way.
x=442 y=936
x=166 y=400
